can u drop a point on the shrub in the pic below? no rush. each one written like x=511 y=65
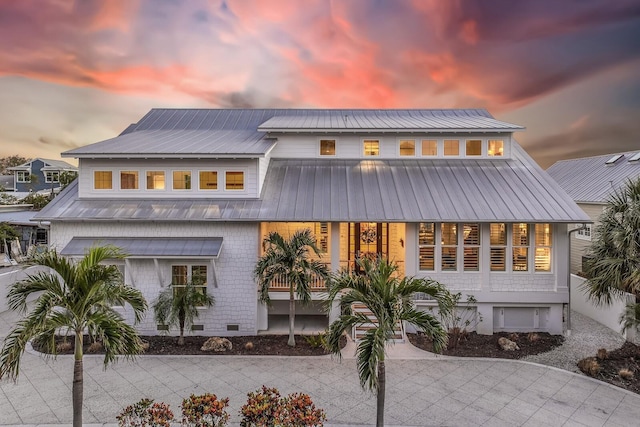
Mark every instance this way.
x=205 y=411
x=590 y=366
x=266 y=407
x=461 y=319
x=625 y=374
x=146 y=413
x=316 y=340
x=602 y=354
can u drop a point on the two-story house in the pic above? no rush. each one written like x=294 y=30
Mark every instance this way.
x=39 y=175
x=446 y=194
x=590 y=181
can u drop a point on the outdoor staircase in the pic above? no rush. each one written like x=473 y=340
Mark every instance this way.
x=359 y=330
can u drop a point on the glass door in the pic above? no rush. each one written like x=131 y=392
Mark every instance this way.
x=368 y=239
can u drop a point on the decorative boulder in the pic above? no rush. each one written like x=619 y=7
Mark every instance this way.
x=216 y=344
x=507 y=345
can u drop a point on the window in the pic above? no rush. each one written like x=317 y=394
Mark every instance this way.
x=584 y=233
x=520 y=242
x=128 y=180
x=52 y=176
x=495 y=148
x=371 y=147
x=543 y=247
x=194 y=274
x=327 y=147
x=182 y=180
x=234 y=180
x=407 y=147
x=429 y=147
x=473 y=147
x=155 y=180
x=498 y=247
x=427 y=246
x=451 y=147
x=208 y=180
x=449 y=247
x=471 y=247
x=24 y=176
x=103 y=180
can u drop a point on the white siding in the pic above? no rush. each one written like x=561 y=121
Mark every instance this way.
x=350 y=146
x=263 y=165
x=248 y=166
x=578 y=246
x=236 y=296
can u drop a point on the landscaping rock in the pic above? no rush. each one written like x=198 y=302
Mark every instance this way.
x=507 y=345
x=216 y=344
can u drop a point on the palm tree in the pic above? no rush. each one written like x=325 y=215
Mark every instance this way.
x=178 y=305
x=288 y=260
x=615 y=253
x=389 y=299
x=76 y=297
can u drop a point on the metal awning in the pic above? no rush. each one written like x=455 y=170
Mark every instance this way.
x=150 y=247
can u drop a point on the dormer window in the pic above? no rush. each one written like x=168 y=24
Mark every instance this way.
x=451 y=147
x=327 y=147
x=182 y=180
x=473 y=147
x=23 y=176
x=495 y=148
x=129 y=180
x=51 y=176
x=371 y=147
x=234 y=180
x=103 y=180
x=155 y=180
x=407 y=147
x=429 y=147
x=208 y=180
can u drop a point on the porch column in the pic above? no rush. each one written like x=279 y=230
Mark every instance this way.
x=335 y=266
x=410 y=249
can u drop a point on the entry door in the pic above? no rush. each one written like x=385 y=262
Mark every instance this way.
x=368 y=239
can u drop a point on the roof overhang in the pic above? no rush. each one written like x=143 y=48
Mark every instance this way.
x=150 y=247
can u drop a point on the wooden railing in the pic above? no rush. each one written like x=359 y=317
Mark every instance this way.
x=317 y=284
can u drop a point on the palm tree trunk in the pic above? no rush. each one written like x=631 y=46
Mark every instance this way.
x=181 y=320
x=78 y=384
x=381 y=391
x=292 y=316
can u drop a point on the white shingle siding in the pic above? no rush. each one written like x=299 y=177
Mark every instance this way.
x=236 y=295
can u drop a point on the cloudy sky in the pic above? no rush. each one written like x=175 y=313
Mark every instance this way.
x=77 y=72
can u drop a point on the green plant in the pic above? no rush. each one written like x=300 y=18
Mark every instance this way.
x=462 y=318
x=205 y=410
x=288 y=260
x=317 y=340
x=265 y=407
x=146 y=413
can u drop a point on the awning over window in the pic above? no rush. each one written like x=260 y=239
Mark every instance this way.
x=150 y=247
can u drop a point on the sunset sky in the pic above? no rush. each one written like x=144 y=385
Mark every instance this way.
x=74 y=73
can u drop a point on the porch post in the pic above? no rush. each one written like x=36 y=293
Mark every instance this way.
x=335 y=265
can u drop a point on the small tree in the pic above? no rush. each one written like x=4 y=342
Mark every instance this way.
x=178 y=305
x=615 y=252
x=288 y=260
x=66 y=178
x=389 y=299
x=7 y=233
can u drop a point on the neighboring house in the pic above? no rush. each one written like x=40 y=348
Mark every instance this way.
x=32 y=234
x=446 y=194
x=7 y=182
x=39 y=174
x=589 y=181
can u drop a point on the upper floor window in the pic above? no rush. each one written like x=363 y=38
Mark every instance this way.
x=182 y=180
x=234 y=180
x=103 y=180
x=128 y=180
x=371 y=147
x=427 y=246
x=473 y=147
x=52 y=176
x=451 y=147
x=449 y=234
x=407 y=147
x=495 y=148
x=520 y=242
x=584 y=233
x=155 y=180
x=208 y=180
x=23 y=176
x=327 y=147
x=429 y=147
x=543 y=241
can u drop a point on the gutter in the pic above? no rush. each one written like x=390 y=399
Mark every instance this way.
x=569 y=233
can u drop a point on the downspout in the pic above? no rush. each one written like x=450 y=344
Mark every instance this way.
x=582 y=227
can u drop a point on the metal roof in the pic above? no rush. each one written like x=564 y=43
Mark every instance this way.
x=243 y=132
x=49 y=165
x=20 y=218
x=150 y=247
x=460 y=190
x=591 y=180
x=387 y=121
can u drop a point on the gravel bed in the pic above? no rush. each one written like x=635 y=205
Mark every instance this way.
x=587 y=336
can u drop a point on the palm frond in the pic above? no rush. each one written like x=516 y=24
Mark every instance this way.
x=370 y=352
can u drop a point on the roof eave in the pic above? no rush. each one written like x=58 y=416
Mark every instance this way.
x=164 y=156
x=389 y=130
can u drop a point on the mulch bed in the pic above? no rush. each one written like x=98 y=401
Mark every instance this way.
x=487 y=345
x=625 y=357
x=261 y=345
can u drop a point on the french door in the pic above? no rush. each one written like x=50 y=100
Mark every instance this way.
x=368 y=239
